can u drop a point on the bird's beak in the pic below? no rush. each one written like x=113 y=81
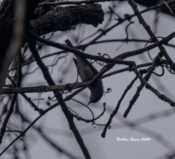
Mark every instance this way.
x=75 y=61
x=89 y=102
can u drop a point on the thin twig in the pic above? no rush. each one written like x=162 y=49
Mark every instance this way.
x=118 y=106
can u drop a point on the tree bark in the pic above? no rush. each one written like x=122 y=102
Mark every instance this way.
x=42 y=20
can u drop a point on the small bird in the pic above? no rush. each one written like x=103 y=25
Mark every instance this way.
x=87 y=72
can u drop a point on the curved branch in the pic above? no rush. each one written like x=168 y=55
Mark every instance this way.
x=64 y=18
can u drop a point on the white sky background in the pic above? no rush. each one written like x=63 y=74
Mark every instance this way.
x=108 y=148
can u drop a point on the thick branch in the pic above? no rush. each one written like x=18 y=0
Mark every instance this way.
x=64 y=18
x=59 y=98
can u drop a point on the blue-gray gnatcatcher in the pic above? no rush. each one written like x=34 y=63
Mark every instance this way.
x=87 y=72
